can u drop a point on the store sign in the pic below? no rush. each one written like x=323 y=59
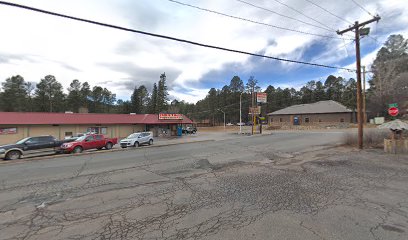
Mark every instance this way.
x=261 y=97
x=255 y=110
x=4 y=131
x=170 y=116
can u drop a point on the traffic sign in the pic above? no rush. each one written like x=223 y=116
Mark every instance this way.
x=393 y=105
x=393 y=111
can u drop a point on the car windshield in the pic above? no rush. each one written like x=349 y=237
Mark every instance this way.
x=133 y=135
x=81 y=138
x=22 y=141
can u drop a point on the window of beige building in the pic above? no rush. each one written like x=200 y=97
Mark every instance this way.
x=306 y=120
x=341 y=119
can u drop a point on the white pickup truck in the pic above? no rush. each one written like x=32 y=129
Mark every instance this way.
x=137 y=139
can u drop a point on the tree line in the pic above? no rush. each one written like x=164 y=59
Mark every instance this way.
x=18 y=95
x=389 y=84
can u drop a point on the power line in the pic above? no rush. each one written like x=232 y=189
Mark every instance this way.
x=252 y=21
x=167 y=37
x=294 y=9
x=301 y=21
x=365 y=10
x=324 y=9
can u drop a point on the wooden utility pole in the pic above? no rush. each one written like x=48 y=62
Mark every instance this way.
x=364 y=97
x=356 y=27
x=253 y=113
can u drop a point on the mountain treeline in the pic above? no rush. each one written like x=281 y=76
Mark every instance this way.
x=388 y=84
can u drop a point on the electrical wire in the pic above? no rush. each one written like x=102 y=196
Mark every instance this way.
x=299 y=12
x=360 y=6
x=167 y=37
x=252 y=21
x=301 y=21
x=324 y=9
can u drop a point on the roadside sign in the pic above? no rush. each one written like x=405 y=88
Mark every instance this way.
x=261 y=97
x=255 y=110
x=393 y=105
x=393 y=111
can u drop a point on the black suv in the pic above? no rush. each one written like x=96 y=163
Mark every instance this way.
x=31 y=146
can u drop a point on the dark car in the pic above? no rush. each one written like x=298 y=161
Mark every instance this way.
x=31 y=146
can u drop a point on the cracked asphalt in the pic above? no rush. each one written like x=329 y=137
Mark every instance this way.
x=280 y=186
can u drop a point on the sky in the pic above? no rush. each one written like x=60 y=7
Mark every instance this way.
x=34 y=45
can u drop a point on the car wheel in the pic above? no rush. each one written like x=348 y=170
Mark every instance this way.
x=108 y=146
x=150 y=141
x=77 y=149
x=13 y=155
x=136 y=144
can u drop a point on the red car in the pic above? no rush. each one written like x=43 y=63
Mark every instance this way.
x=90 y=141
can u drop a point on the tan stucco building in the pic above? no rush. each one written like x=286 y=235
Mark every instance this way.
x=17 y=125
x=323 y=113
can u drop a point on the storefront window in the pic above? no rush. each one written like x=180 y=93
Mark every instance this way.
x=98 y=130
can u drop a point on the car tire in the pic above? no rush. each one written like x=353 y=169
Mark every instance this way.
x=150 y=141
x=77 y=149
x=136 y=144
x=13 y=155
x=109 y=146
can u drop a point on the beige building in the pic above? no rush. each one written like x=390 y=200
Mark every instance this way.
x=323 y=113
x=17 y=125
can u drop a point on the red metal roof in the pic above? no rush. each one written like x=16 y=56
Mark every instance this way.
x=37 y=118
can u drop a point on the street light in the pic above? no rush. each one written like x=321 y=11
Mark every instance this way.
x=224 y=117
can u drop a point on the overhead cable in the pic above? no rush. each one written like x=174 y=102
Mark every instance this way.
x=256 y=22
x=166 y=37
x=365 y=10
x=279 y=14
x=324 y=9
x=304 y=15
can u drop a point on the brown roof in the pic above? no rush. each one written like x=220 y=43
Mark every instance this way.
x=36 y=118
x=329 y=106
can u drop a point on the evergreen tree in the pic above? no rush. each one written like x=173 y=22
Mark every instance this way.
x=74 y=100
x=49 y=96
x=153 y=100
x=162 y=94
x=14 y=95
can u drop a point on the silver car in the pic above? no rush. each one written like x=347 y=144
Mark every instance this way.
x=137 y=139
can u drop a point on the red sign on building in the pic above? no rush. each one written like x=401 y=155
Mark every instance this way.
x=170 y=116
x=393 y=111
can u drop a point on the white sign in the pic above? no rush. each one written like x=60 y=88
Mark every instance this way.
x=261 y=97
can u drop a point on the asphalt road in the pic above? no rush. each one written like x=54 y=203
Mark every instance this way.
x=280 y=186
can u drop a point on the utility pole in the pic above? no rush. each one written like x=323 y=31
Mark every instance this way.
x=253 y=113
x=240 y=114
x=364 y=96
x=356 y=27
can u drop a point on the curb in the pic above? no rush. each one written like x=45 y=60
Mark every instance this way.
x=32 y=159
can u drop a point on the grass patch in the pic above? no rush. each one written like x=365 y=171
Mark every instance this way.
x=371 y=138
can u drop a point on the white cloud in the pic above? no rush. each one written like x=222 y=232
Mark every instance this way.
x=73 y=50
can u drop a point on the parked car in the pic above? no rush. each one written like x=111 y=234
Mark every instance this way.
x=240 y=124
x=190 y=130
x=137 y=139
x=86 y=142
x=31 y=146
x=230 y=124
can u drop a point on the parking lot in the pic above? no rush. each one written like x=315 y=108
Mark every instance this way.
x=279 y=186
